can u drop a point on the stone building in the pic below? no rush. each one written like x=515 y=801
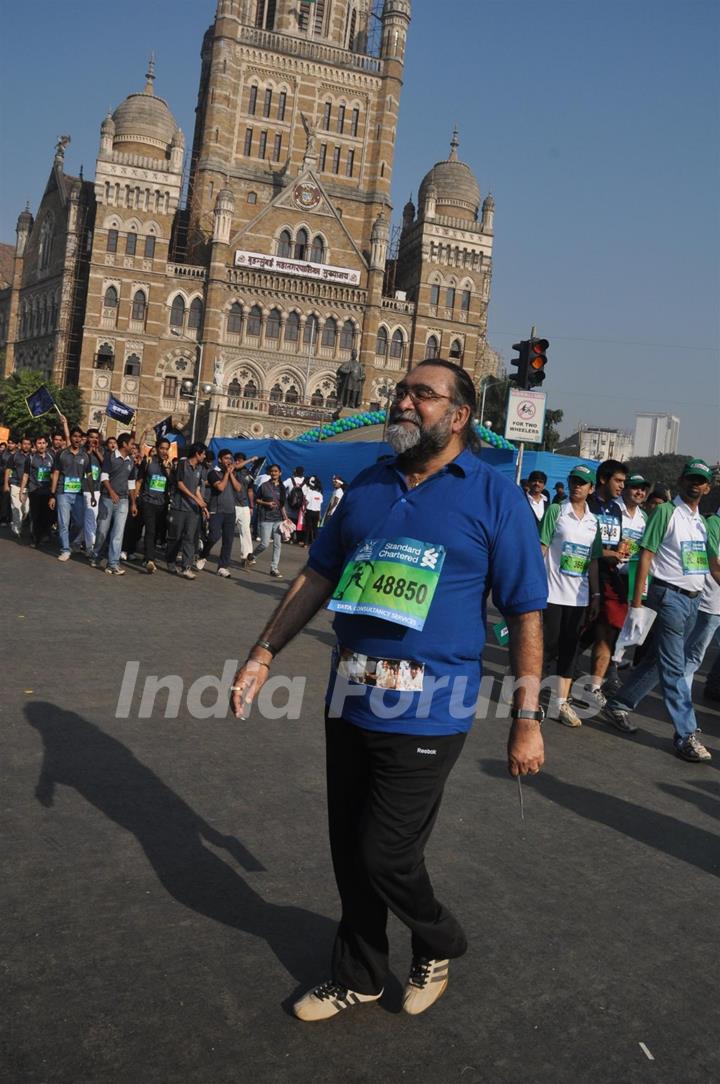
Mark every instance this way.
x=277 y=265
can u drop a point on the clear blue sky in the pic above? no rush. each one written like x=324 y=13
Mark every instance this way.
x=595 y=123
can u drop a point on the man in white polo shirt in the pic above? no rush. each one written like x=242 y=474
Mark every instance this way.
x=674 y=549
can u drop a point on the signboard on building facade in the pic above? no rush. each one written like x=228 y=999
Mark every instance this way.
x=525 y=416
x=256 y=261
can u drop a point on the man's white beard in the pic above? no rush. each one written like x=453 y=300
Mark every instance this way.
x=403 y=438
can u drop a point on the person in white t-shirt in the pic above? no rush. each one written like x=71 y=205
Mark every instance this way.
x=313 y=507
x=536 y=495
x=571 y=542
x=674 y=548
x=338 y=492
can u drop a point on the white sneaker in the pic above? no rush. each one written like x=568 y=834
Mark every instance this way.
x=427 y=982
x=188 y=574
x=224 y=573
x=200 y=563
x=328 y=1000
x=567 y=715
x=64 y=557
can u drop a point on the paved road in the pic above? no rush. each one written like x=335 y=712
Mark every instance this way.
x=167 y=888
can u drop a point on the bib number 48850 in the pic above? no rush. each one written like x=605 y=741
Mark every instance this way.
x=401 y=588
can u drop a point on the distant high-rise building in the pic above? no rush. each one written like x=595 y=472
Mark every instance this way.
x=597 y=442
x=656 y=434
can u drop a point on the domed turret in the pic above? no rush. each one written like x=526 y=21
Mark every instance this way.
x=408 y=214
x=488 y=213
x=143 y=122
x=457 y=190
x=23 y=229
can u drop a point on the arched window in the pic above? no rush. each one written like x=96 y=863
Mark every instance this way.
x=316 y=399
x=327 y=110
x=301 y=244
x=284 y=248
x=329 y=335
x=381 y=343
x=149 y=247
x=105 y=357
x=292 y=328
x=310 y=332
x=347 y=335
x=272 y=327
x=177 y=312
x=234 y=388
x=235 y=318
x=139 y=306
x=317 y=252
x=132 y=365
x=456 y=349
x=130 y=242
x=250 y=390
x=397 y=344
x=465 y=300
x=195 y=314
x=352 y=31
x=431 y=347
x=110 y=301
x=254 y=324
x=450 y=297
x=435 y=294
x=292 y=395
x=112 y=241
x=276 y=394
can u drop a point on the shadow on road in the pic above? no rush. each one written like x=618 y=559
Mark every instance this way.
x=102 y=770
x=658 y=830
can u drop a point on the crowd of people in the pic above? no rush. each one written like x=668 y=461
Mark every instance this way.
x=406 y=560
x=118 y=498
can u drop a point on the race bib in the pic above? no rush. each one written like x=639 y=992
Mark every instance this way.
x=610 y=530
x=43 y=474
x=574 y=559
x=632 y=537
x=158 y=483
x=393 y=579
x=694 y=559
x=71 y=485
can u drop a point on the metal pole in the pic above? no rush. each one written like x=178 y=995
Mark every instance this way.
x=521 y=445
x=198 y=374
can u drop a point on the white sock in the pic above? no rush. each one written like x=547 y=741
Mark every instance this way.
x=595 y=684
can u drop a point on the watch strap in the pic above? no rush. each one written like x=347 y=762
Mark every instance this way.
x=525 y=713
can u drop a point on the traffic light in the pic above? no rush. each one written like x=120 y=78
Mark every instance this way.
x=537 y=360
x=520 y=378
x=531 y=363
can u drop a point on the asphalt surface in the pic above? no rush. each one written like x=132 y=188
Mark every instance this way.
x=167 y=887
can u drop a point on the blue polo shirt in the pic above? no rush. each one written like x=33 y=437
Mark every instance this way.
x=491 y=543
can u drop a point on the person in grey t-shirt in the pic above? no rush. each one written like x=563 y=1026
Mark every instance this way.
x=224 y=490
x=187 y=507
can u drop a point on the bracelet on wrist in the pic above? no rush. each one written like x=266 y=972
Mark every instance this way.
x=266 y=646
x=258 y=662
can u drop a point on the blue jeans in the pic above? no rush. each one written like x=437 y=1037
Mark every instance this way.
x=698 y=642
x=665 y=661
x=110 y=529
x=270 y=532
x=69 y=506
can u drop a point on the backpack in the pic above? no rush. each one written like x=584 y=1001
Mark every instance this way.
x=295 y=498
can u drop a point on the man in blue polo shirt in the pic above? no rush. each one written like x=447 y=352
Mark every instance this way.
x=406 y=563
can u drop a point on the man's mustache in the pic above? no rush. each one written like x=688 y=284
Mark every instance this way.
x=405 y=416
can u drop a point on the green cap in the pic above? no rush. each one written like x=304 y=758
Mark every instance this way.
x=585 y=474
x=637 y=480
x=699 y=467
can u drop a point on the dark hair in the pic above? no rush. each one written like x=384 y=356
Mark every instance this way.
x=222 y=452
x=162 y=440
x=92 y=430
x=273 y=465
x=239 y=455
x=123 y=439
x=465 y=395
x=610 y=467
x=75 y=429
x=559 y=485
x=196 y=449
x=537 y=476
x=661 y=491
x=296 y=470
x=315 y=483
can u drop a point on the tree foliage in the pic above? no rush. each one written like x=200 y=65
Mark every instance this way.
x=14 y=413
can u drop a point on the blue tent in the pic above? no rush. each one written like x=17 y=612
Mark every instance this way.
x=557 y=467
x=345 y=458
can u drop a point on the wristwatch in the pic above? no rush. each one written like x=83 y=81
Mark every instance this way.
x=525 y=713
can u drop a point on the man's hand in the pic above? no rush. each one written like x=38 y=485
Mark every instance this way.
x=51 y=504
x=133 y=509
x=593 y=609
x=247 y=683
x=526 y=754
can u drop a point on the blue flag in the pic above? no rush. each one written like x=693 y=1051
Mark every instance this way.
x=119 y=411
x=40 y=402
x=163 y=428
